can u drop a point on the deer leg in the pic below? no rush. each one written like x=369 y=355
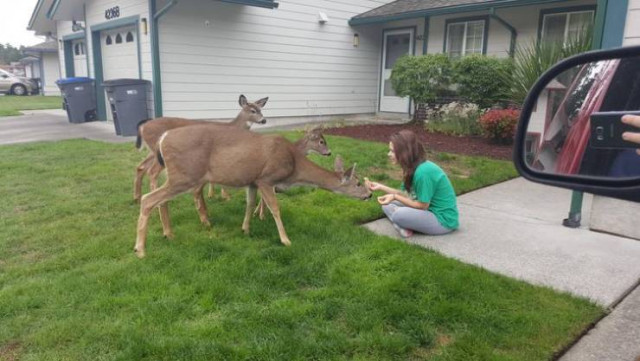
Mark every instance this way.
x=260 y=210
x=154 y=173
x=140 y=171
x=211 y=191
x=251 y=201
x=148 y=202
x=224 y=194
x=201 y=206
x=269 y=197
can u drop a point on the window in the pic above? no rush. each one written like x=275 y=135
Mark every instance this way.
x=129 y=37
x=109 y=41
x=465 y=38
x=118 y=39
x=76 y=49
x=562 y=27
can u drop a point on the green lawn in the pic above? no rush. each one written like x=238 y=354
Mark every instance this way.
x=11 y=105
x=71 y=287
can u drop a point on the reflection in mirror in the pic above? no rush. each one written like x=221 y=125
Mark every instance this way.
x=575 y=126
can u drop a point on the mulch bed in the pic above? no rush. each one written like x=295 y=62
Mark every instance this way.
x=435 y=142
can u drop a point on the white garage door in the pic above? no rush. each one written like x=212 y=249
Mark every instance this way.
x=79 y=58
x=119 y=55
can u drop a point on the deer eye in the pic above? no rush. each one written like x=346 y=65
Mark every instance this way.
x=322 y=142
x=253 y=111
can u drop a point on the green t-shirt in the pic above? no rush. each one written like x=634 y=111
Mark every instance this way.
x=431 y=185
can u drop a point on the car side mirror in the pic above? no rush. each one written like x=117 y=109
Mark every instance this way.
x=570 y=129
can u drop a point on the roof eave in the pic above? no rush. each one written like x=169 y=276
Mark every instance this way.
x=447 y=10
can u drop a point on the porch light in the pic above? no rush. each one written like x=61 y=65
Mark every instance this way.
x=143 y=23
x=356 y=40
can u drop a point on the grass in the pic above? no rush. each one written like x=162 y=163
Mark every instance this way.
x=11 y=105
x=72 y=289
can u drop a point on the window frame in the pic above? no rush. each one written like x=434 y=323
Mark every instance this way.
x=564 y=11
x=466 y=21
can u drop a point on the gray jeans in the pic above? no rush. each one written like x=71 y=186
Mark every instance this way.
x=414 y=219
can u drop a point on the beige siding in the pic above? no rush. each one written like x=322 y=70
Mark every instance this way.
x=632 y=25
x=211 y=52
x=524 y=19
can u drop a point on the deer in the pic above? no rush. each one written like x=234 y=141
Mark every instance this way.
x=149 y=133
x=312 y=142
x=195 y=155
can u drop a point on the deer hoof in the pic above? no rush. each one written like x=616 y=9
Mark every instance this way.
x=140 y=254
x=168 y=235
x=206 y=223
x=286 y=242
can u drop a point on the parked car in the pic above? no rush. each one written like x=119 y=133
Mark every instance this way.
x=16 y=85
x=556 y=142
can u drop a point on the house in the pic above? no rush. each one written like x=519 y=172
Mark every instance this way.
x=319 y=59
x=42 y=64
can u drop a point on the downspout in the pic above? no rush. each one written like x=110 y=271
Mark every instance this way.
x=155 y=53
x=514 y=33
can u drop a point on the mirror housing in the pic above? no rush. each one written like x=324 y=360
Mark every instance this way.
x=626 y=187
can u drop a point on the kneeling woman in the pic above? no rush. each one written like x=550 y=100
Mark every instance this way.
x=426 y=203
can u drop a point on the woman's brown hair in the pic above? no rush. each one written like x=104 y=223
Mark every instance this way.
x=409 y=154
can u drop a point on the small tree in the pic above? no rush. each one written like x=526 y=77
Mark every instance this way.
x=422 y=78
x=479 y=79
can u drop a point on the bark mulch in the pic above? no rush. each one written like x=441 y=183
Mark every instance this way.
x=435 y=142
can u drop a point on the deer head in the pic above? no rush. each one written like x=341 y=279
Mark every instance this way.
x=251 y=112
x=313 y=141
x=350 y=184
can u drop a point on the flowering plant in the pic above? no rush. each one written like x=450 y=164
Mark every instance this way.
x=500 y=124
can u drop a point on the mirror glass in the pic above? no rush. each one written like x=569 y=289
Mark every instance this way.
x=575 y=127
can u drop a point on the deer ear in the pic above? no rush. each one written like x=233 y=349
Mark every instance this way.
x=261 y=103
x=242 y=101
x=348 y=175
x=338 y=165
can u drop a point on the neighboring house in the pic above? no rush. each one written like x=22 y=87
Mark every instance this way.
x=313 y=58
x=31 y=66
x=45 y=67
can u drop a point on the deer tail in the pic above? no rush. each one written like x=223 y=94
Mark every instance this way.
x=139 y=137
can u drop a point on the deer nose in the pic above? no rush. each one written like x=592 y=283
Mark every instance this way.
x=327 y=153
x=262 y=121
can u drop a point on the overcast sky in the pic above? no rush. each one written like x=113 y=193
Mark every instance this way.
x=14 y=21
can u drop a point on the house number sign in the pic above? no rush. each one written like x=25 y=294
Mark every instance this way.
x=112 y=13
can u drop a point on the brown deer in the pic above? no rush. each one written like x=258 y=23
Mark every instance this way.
x=150 y=132
x=237 y=158
x=312 y=142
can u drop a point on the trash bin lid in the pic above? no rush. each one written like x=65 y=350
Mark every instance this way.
x=74 y=80
x=124 y=81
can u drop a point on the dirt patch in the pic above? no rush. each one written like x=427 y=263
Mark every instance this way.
x=435 y=142
x=10 y=351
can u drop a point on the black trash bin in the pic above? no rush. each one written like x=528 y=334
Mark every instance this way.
x=79 y=99
x=128 y=103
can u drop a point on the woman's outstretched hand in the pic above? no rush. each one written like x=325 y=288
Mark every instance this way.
x=386 y=199
x=372 y=186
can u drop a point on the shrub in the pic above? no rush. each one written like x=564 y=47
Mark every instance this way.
x=456 y=119
x=499 y=125
x=422 y=78
x=481 y=79
x=536 y=57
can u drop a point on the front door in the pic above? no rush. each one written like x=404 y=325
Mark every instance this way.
x=396 y=43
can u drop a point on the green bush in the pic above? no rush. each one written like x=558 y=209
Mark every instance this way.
x=422 y=78
x=478 y=79
x=456 y=119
